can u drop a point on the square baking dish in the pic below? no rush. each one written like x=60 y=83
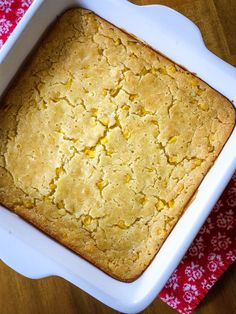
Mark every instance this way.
x=35 y=255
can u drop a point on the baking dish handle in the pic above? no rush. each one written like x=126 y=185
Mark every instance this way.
x=24 y=259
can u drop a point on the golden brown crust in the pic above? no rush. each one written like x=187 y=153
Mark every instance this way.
x=104 y=142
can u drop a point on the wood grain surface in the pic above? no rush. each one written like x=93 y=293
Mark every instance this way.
x=217 y=22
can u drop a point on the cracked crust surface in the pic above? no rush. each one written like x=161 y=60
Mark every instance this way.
x=104 y=142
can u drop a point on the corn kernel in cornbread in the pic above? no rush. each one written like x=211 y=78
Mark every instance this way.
x=172 y=140
x=127 y=178
x=121 y=224
x=86 y=220
x=160 y=205
x=204 y=106
x=171 y=203
x=28 y=204
x=100 y=184
x=126 y=134
x=52 y=186
x=103 y=142
x=125 y=107
x=89 y=152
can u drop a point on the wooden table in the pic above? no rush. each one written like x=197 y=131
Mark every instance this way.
x=18 y=295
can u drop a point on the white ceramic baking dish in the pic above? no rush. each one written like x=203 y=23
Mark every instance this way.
x=32 y=253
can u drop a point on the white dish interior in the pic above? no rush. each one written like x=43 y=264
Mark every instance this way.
x=33 y=254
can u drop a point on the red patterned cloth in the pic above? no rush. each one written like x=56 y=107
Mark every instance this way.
x=210 y=254
x=213 y=250
x=11 y=11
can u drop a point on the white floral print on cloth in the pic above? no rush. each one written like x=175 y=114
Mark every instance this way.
x=203 y=264
x=11 y=11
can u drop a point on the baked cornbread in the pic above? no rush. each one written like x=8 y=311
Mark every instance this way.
x=103 y=142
